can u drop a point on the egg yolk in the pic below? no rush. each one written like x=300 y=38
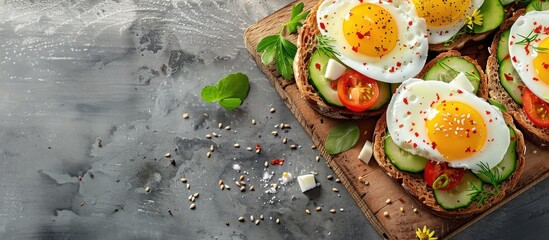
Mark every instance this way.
x=541 y=62
x=439 y=13
x=370 y=29
x=456 y=130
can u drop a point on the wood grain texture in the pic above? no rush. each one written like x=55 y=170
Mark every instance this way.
x=371 y=198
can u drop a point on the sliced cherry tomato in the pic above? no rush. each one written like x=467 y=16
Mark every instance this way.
x=536 y=109
x=356 y=91
x=439 y=175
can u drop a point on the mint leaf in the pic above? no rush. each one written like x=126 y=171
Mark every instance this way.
x=209 y=94
x=342 y=138
x=230 y=91
x=230 y=103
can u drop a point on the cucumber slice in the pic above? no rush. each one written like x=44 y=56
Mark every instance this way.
x=402 y=159
x=448 y=68
x=507 y=165
x=460 y=196
x=384 y=95
x=497 y=104
x=506 y=2
x=510 y=80
x=503 y=48
x=317 y=67
x=537 y=5
x=493 y=15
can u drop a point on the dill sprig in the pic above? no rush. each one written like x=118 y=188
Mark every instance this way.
x=537 y=5
x=326 y=45
x=456 y=72
x=480 y=194
x=527 y=40
x=461 y=31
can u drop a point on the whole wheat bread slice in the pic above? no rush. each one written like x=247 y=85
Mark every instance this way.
x=307 y=44
x=483 y=87
x=417 y=187
x=538 y=135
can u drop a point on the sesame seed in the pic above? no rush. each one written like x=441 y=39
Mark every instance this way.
x=220 y=182
x=313 y=146
x=272 y=110
x=242 y=183
x=243 y=188
x=257 y=222
x=332 y=210
x=252 y=188
x=366 y=183
x=228 y=128
x=330 y=177
x=188 y=186
x=266 y=164
x=293 y=146
x=402 y=209
x=386 y=214
x=147 y=189
x=208 y=154
x=284 y=140
x=221 y=187
x=242 y=177
x=361 y=179
x=185 y=115
x=307 y=211
x=286 y=125
x=249 y=148
x=535 y=151
x=275 y=133
x=252 y=218
x=335 y=189
x=167 y=155
x=220 y=125
x=338 y=180
x=208 y=136
x=192 y=198
x=183 y=180
x=227 y=187
x=237 y=183
x=236 y=145
x=193 y=206
x=212 y=148
x=196 y=195
x=317 y=158
x=388 y=201
x=318 y=208
x=253 y=121
x=277 y=221
x=215 y=134
x=241 y=219
x=261 y=217
x=415 y=210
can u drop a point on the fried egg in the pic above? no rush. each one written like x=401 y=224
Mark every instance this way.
x=384 y=40
x=444 y=18
x=445 y=123
x=531 y=59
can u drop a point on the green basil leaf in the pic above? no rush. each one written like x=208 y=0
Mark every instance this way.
x=269 y=55
x=233 y=85
x=342 y=138
x=296 y=9
x=267 y=42
x=230 y=103
x=209 y=94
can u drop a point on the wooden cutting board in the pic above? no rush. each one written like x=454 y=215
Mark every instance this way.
x=371 y=198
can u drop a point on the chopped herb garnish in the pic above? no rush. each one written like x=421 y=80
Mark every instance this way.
x=480 y=194
x=326 y=46
x=527 y=40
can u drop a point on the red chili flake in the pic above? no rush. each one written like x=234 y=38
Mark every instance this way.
x=433 y=145
x=258 y=147
x=317 y=66
x=514 y=59
x=487 y=112
x=401 y=126
x=409 y=113
x=459 y=91
x=546 y=30
x=392 y=70
x=545 y=65
x=333 y=84
x=457 y=109
x=399 y=64
x=508 y=77
x=511 y=43
x=521 y=87
x=474 y=131
x=410 y=23
x=535 y=79
x=490 y=120
x=512 y=138
x=538 y=29
x=415 y=145
x=417 y=134
x=361 y=36
x=413 y=124
x=405 y=101
x=277 y=162
x=438 y=97
x=322 y=26
x=355 y=49
x=468 y=149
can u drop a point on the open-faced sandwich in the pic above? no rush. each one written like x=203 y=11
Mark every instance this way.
x=454 y=152
x=518 y=70
x=351 y=51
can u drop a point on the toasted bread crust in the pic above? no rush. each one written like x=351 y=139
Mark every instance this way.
x=538 y=135
x=306 y=45
x=417 y=187
x=483 y=87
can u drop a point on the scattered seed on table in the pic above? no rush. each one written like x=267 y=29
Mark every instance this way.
x=208 y=154
x=332 y=210
x=293 y=146
x=386 y=214
x=366 y=183
x=307 y=211
x=257 y=150
x=236 y=145
x=192 y=198
x=147 y=189
x=252 y=218
x=266 y=164
x=275 y=133
x=212 y=148
x=195 y=195
x=261 y=217
x=253 y=122
x=338 y=180
x=277 y=221
x=220 y=125
x=330 y=177
x=272 y=110
x=215 y=134
x=361 y=179
x=252 y=188
x=208 y=136
x=284 y=140
x=341 y=209
x=249 y=148
x=415 y=210
x=242 y=177
x=318 y=208
x=227 y=187
x=167 y=155
x=388 y=201
x=335 y=189
x=228 y=128
x=275 y=186
x=285 y=125
x=241 y=219
x=188 y=186
x=185 y=115
x=183 y=180
x=242 y=189
x=193 y=206
x=317 y=158
x=313 y=146
x=220 y=182
x=535 y=151
x=257 y=222
x=242 y=183
x=222 y=187
x=237 y=183
x=402 y=209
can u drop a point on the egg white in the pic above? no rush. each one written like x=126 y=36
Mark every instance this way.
x=523 y=61
x=419 y=95
x=407 y=58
